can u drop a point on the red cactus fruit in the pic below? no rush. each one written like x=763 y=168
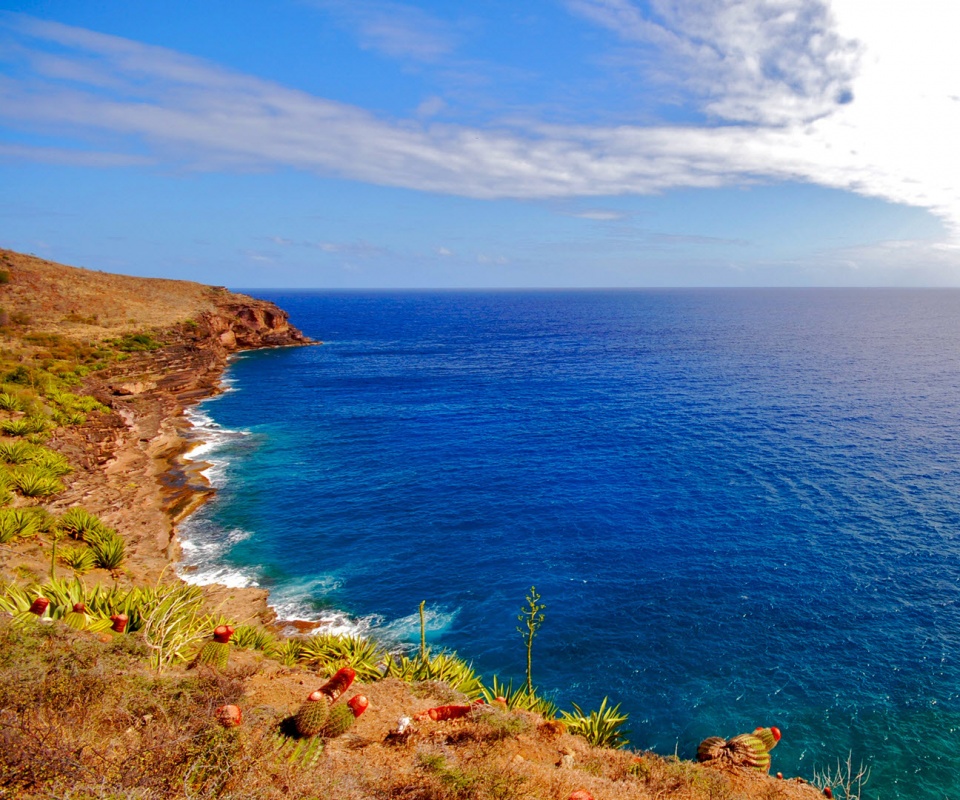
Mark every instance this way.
x=339 y=683
x=580 y=794
x=222 y=633
x=441 y=713
x=119 y=622
x=39 y=605
x=358 y=704
x=776 y=732
x=779 y=776
x=79 y=608
x=229 y=716
x=827 y=791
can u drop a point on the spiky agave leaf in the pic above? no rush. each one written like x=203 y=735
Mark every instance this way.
x=16 y=452
x=518 y=699
x=80 y=559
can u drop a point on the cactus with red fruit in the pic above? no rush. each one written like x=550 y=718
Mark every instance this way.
x=215 y=653
x=119 y=623
x=342 y=716
x=312 y=715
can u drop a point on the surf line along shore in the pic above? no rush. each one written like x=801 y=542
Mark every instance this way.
x=132 y=467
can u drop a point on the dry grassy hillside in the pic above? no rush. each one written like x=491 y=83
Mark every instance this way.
x=84 y=303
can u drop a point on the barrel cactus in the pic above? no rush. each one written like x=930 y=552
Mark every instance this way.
x=769 y=736
x=77 y=618
x=313 y=714
x=342 y=716
x=215 y=653
x=745 y=750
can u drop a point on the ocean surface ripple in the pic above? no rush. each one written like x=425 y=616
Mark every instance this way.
x=741 y=507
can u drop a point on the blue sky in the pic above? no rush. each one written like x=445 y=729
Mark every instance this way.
x=368 y=143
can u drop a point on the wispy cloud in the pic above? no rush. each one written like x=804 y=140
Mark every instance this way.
x=394 y=29
x=176 y=109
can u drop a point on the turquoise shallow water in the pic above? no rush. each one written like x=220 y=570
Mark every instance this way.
x=741 y=507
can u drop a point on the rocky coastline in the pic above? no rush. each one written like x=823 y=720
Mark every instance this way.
x=130 y=465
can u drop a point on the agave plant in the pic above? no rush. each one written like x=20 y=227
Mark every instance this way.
x=327 y=653
x=52 y=462
x=11 y=402
x=16 y=427
x=519 y=698
x=601 y=728
x=173 y=624
x=80 y=559
x=16 y=452
x=444 y=666
x=109 y=549
x=287 y=652
x=17 y=523
x=35 y=482
x=253 y=637
x=80 y=523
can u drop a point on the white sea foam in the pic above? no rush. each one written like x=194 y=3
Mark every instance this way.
x=407 y=628
x=204 y=544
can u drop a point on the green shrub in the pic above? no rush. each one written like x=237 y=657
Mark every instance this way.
x=137 y=343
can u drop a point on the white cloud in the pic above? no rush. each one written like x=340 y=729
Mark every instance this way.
x=894 y=141
x=763 y=61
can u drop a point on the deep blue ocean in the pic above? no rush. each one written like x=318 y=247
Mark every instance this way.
x=741 y=507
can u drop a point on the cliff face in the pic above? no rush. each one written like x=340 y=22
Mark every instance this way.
x=129 y=464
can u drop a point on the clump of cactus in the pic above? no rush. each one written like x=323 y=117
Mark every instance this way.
x=321 y=715
x=750 y=750
x=216 y=652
